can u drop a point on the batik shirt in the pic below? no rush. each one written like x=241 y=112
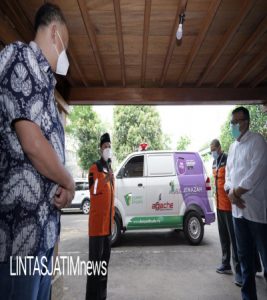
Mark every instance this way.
x=29 y=221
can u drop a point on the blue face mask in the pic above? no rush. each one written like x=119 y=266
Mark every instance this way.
x=235 y=131
x=215 y=154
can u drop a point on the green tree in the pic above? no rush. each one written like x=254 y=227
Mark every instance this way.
x=86 y=127
x=226 y=138
x=166 y=142
x=257 y=124
x=183 y=143
x=133 y=125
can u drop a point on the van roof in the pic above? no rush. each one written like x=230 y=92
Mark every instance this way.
x=162 y=151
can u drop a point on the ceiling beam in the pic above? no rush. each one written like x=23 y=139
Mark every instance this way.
x=145 y=40
x=165 y=96
x=208 y=19
x=14 y=12
x=61 y=102
x=76 y=65
x=226 y=39
x=92 y=37
x=181 y=9
x=259 y=79
x=8 y=34
x=117 y=11
x=251 y=66
x=242 y=51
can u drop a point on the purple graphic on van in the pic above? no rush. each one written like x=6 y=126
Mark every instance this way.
x=193 y=187
x=181 y=165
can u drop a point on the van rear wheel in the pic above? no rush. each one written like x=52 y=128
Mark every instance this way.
x=193 y=228
x=116 y=232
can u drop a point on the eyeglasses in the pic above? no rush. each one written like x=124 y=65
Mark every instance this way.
x=236 y=121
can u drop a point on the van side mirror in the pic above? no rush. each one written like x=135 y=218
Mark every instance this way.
x=120 y=174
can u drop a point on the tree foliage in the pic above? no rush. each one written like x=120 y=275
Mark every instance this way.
x=183 y=143
x=133 y=125
x=86 y=127
x=257 y=124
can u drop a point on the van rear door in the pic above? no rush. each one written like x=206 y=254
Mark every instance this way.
x=192 y=180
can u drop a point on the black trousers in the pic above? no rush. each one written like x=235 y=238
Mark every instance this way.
x=227 y=239
x=99 y=251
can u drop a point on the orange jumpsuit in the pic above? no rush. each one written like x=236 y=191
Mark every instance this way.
x=101 y=216
x=218 y=169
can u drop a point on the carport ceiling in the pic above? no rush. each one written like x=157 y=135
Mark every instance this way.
x=126 y=52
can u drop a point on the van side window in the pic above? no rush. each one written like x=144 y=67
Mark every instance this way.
x=160 y=165
x=134 y=167
x=78 y=186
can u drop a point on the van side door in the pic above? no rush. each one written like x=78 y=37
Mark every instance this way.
x=163 y=190
x=131 y=187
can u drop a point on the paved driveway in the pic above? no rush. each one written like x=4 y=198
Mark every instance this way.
x=153 y=265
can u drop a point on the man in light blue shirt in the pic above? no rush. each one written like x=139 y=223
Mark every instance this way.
x=246 y=183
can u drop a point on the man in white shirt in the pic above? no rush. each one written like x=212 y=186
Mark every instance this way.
x=246 y=183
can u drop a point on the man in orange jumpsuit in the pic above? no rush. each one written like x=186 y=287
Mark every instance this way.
x=224 y=215
x=101 y=218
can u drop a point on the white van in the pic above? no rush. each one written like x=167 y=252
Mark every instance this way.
x=81 y=200
x=163 y=189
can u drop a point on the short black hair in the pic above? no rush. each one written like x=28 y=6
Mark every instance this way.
x=216 y=143
x=243 y=110
x=46 y=14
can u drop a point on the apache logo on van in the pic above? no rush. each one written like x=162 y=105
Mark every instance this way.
x=162 y=206
x=159 y=206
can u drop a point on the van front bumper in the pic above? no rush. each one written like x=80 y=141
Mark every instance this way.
x=209 y=217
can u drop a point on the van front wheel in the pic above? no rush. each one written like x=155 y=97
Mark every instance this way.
x=116 y=232
x=193 y=228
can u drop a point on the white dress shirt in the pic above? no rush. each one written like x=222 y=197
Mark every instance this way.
x=247 y=168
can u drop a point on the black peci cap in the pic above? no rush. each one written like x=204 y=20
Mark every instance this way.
x=105 y=138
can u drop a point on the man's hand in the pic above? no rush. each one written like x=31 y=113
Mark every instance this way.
x=45 y=160
x=238 y=201
x=64 y=197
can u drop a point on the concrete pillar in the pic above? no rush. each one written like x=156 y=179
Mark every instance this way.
x=58 y=280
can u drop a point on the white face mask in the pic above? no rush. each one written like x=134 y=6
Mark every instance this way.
x=62 y=61
x=107 y=154
x=215 y=154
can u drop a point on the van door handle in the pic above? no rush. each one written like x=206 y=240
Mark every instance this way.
x=140 y=184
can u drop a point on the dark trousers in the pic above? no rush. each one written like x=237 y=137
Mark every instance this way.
x=227 y=239
x=99 y=251
x=249 y=234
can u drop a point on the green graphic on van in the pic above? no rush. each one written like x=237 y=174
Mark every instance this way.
x=130 y=199
x=156 y=222
x=174 y=190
